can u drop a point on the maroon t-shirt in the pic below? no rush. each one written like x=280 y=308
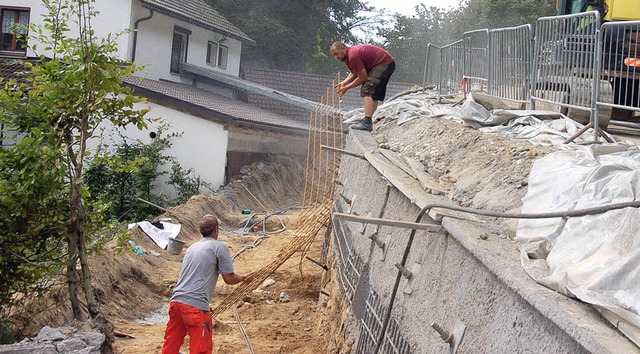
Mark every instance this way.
x=366 y=56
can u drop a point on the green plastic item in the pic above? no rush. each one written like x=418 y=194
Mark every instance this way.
x=246 y=211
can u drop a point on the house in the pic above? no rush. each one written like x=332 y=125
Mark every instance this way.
x=191 y=78
x=219 y=134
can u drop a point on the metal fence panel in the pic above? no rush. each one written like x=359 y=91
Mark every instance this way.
x=476 y=44
x=432 y=65
x=452 y=68
x=510 y=61
x=620 y=69
x=565 y=61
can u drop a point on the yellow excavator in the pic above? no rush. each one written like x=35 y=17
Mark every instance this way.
x=610 y=10
x=621 y=49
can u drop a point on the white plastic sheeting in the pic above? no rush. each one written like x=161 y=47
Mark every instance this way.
x=159 y=236
x=595 y=258
x=541 y=127
x=403 y=108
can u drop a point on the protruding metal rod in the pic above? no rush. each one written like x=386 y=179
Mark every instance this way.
x=346 y=199
x=386 y=222
x=444 y=334
x=342 y=151
x=374 y=237
x=404 y=271
x=322 y=265
x=578 y=133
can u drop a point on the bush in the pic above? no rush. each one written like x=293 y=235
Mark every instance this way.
x=7 y=335
x=128 y=174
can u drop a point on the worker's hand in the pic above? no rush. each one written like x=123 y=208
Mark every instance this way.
x=342 y=89
x=247 y=277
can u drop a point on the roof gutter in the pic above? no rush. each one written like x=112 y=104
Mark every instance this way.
x=135 y=33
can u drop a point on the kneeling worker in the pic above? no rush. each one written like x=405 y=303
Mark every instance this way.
x=369 y=66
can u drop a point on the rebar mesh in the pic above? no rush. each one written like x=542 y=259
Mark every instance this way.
x=323 y=167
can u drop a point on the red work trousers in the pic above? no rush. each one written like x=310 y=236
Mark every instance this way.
x=185 y=319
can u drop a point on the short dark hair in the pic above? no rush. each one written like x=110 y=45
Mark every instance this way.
x=208 y=224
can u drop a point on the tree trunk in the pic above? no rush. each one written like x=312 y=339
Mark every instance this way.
x=72 y=277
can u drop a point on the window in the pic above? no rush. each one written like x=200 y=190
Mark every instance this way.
x=212 y=53
x=223 y=53
x=179 y=48
x=14 y=29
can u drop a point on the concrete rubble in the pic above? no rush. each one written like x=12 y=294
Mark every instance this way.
x=67 y=340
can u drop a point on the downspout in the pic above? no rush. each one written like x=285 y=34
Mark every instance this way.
x=135 y=34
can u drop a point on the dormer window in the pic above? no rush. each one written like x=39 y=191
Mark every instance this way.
x=212 y=53
x=179 y=48
x=217 y=55
x=223 y=55
x=14 y=29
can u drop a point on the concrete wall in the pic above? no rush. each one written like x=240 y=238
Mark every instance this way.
x=249 y=145
x=242 y=139
x=473 y=288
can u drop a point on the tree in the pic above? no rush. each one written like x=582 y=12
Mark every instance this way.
x=58 y=109
x=294 y=35
x=407 y=40
x=478 y=14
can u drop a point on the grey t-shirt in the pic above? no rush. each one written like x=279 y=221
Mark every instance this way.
x=202 y=263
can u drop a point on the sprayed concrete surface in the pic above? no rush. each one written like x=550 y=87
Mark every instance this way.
x=476 y=290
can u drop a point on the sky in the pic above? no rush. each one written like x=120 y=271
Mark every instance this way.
x=407 y=7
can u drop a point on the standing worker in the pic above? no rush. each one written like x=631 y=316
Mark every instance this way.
x=189 y=304
x=369 y=66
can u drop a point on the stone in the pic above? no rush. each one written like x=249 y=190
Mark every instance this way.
x=48 y=334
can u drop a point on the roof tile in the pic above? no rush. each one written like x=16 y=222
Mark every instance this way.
x=309 y=86
x=238 y=110
x=201 y=13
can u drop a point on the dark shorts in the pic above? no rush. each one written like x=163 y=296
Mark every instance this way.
x=376 y=84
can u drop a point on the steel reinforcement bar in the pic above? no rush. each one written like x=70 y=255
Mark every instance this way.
x=323 y=168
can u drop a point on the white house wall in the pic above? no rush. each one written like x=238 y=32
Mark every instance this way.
x=202 y=146
x=154 y=37
x=114 y=16
x=154 y=46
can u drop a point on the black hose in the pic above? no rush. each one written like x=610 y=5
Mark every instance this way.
x=554 y=214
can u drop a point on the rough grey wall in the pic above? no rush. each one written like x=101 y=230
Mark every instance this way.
x=462 y=282
x=246 y=140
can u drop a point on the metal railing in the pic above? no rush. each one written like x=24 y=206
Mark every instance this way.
x=432 y=66
x=451 y=68
x=476 y=47
x=620 y=70
x=565 y=62
x=510 y=62
x=589 y=70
